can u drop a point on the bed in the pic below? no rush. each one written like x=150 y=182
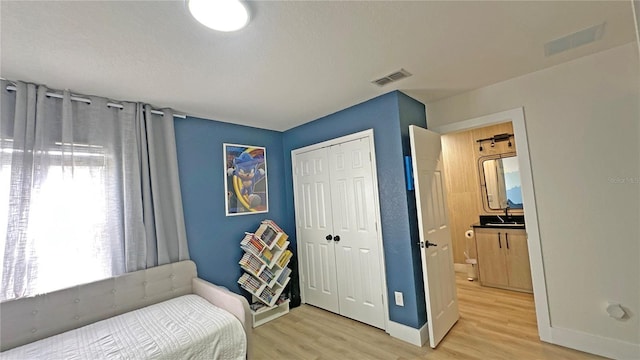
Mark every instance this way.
x=164 y=312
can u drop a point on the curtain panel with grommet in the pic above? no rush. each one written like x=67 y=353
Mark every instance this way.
x=88 y=190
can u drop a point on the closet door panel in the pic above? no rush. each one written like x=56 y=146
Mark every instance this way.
x=357 y=252
x=318 y=272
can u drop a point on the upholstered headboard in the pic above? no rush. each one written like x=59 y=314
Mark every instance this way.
x=34 y=318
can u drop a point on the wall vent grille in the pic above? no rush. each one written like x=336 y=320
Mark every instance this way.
x=574 y=40
x=398 y=75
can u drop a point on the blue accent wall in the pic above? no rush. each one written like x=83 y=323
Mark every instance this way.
x=389 y=116
x=413 y=112
x=214 y=239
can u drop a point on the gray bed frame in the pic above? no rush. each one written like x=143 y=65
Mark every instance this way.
x=33 y=318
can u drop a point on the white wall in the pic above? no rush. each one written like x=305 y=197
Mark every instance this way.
x=636 y=11
x=582 y=120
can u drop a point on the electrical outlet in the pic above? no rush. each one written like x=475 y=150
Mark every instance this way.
x=399 y=298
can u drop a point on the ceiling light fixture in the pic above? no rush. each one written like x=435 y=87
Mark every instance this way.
x=496 y=138
x=221 y=15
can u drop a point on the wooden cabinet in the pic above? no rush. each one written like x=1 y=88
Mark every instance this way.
x=492 y=262
x=518 y=266
x=503 y=258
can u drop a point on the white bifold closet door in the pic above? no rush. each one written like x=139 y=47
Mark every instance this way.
x=339 y=250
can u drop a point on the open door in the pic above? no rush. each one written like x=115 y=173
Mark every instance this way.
x=435 y=235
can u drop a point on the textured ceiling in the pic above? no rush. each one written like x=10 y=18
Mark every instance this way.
x=296 y=61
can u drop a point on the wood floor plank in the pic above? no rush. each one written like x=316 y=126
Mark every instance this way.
x=494 y=324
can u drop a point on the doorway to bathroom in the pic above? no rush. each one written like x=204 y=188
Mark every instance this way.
x=491 y=201
x=484 y=193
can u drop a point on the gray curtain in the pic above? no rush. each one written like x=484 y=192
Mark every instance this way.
x=87 y=191
x=166 y=239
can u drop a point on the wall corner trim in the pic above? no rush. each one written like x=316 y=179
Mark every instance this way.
x=594 y=344
x=417 y=337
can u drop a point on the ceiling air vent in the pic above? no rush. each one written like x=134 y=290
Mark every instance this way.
x=574 y=40
x=398 y=75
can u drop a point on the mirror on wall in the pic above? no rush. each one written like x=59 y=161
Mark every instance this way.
x=500 y=182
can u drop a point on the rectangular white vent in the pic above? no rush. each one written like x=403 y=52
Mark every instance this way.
x=574 y=40
x=398 y=75
x=382 y=81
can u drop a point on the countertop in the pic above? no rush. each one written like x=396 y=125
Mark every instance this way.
x=505 y=226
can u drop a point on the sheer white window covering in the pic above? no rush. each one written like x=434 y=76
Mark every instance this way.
x=86 y=191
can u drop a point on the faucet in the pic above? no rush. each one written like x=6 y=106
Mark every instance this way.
x=506 y=212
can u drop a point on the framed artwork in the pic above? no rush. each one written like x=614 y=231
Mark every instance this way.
x=245 y=179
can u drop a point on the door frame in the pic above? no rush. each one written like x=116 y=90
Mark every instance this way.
x=516 y=116
x=376 y=204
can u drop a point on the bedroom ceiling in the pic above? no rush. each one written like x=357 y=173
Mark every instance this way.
x=295 y=61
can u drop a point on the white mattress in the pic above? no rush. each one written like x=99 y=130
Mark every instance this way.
x=184 y=327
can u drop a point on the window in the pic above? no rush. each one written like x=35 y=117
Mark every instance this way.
x=68 y=221
x=85 y=184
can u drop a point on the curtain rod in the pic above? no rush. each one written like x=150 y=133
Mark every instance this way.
x=88 y=101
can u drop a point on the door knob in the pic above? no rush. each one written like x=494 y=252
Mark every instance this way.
x=336 y=238
x=430 y=244
x=329 y=237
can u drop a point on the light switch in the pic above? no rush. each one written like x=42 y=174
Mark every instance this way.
x=399 y=298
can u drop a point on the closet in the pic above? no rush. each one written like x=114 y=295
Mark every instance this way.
x=339 y=248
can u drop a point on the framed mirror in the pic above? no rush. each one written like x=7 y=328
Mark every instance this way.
x=500 y=182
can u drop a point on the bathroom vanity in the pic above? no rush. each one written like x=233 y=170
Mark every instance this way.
x=503 y=256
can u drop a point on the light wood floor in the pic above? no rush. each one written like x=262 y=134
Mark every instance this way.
x=494 y=324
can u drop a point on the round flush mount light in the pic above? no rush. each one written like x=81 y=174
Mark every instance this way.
x=221 y=15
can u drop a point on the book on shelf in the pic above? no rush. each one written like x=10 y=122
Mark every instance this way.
x=252 y=244
x=267 y=255
x=282 y=240
x=273 y=224
x=284 y=258
x=267 y=295
x=256 y=306
x=250 y=249
x=283 y=276
x=265 y=262
x=266 y=275
x=251 y=262
x=268 y=236
x=256 y=242
x=249 y=283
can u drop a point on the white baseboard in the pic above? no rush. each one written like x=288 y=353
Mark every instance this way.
x=594 y=344
x=408 y=334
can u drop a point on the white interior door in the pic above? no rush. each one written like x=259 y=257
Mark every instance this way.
x=355 y=233
x=435 y=235
x=317 y=256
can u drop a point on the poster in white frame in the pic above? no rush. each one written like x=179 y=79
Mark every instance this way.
x=245 y=179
